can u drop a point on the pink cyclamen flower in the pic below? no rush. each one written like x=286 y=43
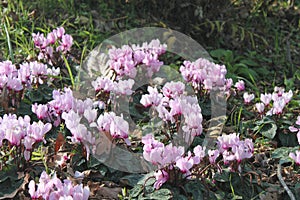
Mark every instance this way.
x=240 y=85
x=38 y=130
x=24 y=72
x=173 y=89
x=260 y=107
x=7 y=68
x=295 y=157
x=65 y=44
x=243 y=150
x=51 y=38
x=279 y=90
x=59 y=32
x=119 y=128
x=14 y=84
x=229 y=83
x=248 y=97
x=161 y=177
x=123 y=87
x=103 y=84
x=153 y=98
x=185 y=164
x=266 y=98
x=40 y=110
x=115 y=125
x=213 y=155
x=226 y=142
x=287 y=96
x=90 y=114
x=199 y=153
x=39 y=40
x=278 y=106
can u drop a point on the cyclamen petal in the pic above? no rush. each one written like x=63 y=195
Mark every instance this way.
x=260 y=107
x=266 y=98
x=293 y=129
x=90 y=114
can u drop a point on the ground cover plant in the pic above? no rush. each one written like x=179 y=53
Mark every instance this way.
x=59 y=143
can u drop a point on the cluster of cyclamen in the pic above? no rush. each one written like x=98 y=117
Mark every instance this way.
x=18 y=131
x=120 y=87
x=231 y=148
x=73 y=111
x=168 y=157
x=203 y=74
x=51 y=188
x=123 y=61
x=16 y=79
x=280 y=100
x=279 y=97
x=296 y=128
x=65 y=106
x=171 y=102
x=45 y=44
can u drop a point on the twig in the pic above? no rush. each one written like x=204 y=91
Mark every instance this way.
x=286 y=188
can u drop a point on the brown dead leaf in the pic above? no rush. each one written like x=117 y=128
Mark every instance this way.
x=60 y=141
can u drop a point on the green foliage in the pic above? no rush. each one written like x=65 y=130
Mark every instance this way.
x=266 y=127
x=10 y=182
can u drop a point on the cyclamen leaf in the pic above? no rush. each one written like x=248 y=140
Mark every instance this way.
x=161 y=194
x=194 y=188
x=269 y=130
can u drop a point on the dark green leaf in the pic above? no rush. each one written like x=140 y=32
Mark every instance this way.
x=194 y=188
x=131 y=179
x=136 y=191
x=161 y=194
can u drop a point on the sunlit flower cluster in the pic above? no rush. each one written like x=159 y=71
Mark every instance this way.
x=52 y=188
x=63 y=101
x=65 y=106
x=203 y=74
x=123 y=61
x=115 y=125
x=80 y=116
x=16 y=79
x=275 y=101
x=172 y=103
x=19 y=131
x=169 y=157
x=120 y=87
x=46 y=45
x=232 y=149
